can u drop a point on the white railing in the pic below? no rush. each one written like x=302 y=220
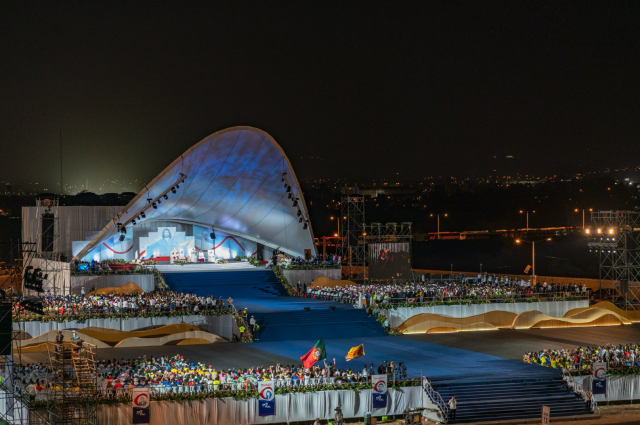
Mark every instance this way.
x=436 y=399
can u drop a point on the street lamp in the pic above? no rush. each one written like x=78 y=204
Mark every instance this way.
x=438 y=215
x=338 y=225
x=578 y=209
x=522 y=212
x=533 y=255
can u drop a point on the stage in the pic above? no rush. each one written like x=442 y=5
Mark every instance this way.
x=165 y=267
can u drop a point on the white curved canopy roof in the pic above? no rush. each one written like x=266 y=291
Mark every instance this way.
x=233 y=182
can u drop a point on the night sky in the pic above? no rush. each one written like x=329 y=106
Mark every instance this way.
x=356 y=90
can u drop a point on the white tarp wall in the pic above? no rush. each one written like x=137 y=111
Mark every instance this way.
x=146 y=282
x=289 y=408
x=74 y=224
x=552 y=308
x=218 y=325
x=618 y=387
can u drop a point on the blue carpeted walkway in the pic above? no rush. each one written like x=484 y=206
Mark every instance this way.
x=487 y=387
x=280 y=317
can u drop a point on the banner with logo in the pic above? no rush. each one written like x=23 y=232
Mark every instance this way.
x=266 y=398
x=379 y=392
x=141 y=404
x=599 y=382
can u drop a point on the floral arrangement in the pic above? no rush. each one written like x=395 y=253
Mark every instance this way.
x=139 y=270
x=160 y=280
x=321 y=266
x=241 y=322
x=180 y=262
x=468 y=301
x=238 y=395
x=222 y=261
x=82 y=318
x=277 y=270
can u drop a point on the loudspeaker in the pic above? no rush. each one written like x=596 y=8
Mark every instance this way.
x=333 y=307
x=307 y=309
x=624 y=285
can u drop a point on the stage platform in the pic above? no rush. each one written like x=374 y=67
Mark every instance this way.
x=205 y=267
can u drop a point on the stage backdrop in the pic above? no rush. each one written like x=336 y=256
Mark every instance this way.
x=158 y=239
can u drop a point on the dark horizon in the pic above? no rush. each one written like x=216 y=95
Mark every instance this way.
x=354 y=91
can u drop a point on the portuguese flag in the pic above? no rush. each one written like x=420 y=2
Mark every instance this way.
x=317 y=353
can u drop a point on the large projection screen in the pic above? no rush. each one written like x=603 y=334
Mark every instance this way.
x=390 y=260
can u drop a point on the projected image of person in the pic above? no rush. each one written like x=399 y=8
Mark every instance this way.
x=389 y=260
x=164 y=245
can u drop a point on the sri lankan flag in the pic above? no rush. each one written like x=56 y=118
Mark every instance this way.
x=317 y=353
x=355 y=352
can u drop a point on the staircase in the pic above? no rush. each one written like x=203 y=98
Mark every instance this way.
x=234 y=284
x=316 y=324
x=510 y=400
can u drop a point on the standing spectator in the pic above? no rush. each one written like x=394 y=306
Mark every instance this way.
x=59 y=341
x=453 y=404
x=32 y=391
x=587 y=398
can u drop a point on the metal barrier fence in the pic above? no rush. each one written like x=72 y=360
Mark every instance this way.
x=115 y=313
x=534 y=297
x=158 y=390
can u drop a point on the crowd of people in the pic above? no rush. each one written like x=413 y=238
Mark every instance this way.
x=132 y=304
x=172 y=375
x=483 y=287
x=575 y=359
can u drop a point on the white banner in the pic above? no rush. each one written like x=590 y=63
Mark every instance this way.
x=379 y=393
x=266 y=398
x=141 y=403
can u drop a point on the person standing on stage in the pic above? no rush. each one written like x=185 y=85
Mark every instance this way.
x=453 y=404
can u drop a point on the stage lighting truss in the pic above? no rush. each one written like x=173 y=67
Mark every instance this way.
x=154 y=202
x=34 y=279
x=615 y=238
x=33 y=305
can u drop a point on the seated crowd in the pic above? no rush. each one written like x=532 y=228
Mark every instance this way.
x=486 y=287
x=177 y=375
x=152 y=301
x=573 y=359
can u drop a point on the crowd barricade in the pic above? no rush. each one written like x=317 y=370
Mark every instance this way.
x=110 y=312
x=159 y=390
x=489 y=299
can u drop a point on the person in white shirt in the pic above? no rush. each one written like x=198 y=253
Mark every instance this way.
x=32 y=391
x=453 y=404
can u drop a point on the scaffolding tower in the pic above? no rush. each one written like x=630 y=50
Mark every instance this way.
x=352 y=248
x=14 y=405
x=70 y=400
x=615 y=238
x=388 y=232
